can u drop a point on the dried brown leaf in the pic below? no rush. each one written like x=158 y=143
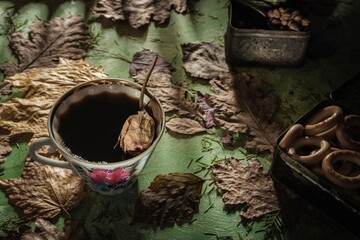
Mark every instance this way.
x=143 y=59
x=109 y=9
x=45 y=230
x=241 y=102
x=5 y=88
x=246 y=185
x=162 y=9
x=171 y=198
x=7 y=139
x=185 y=126
x=228 y=114
x=204 y=60
x=5 y=147
x=137 y=133
x=41 y=87
x=44 y=191
x=243 y=106
x=138 y=13
x=172 y=96
x=47 y=43
x=260 y=108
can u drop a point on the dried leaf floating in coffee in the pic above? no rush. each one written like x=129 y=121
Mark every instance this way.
x=137 y=133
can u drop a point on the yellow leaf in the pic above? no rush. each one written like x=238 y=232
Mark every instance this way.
x=41 y=87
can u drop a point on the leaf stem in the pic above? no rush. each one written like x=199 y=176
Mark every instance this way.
x=55 y=194
x=116 y=56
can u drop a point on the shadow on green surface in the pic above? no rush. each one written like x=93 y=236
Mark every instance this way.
x=303 y=221
x=108 y=217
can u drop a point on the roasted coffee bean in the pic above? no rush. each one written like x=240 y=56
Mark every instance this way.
x=295 y=13
x=275 y=21
x=276 y=13
x=294 y=26
x=298 y=18
x=305 y=22
x=286 y=15
x=287 y=19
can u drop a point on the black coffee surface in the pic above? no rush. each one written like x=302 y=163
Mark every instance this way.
x=90 y=128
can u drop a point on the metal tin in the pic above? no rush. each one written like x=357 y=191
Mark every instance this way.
x=255 y=46
x=348 y=94
x=319 y=192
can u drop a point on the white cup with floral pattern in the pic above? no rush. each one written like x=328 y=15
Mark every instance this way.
x=108 y=178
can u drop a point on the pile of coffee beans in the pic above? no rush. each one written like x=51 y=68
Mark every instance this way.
x=287 y=19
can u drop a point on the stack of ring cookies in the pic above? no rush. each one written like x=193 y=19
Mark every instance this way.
x=328 y=143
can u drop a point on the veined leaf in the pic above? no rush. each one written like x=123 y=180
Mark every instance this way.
x=171 y=198
x=246 y=185
x=47 y=43
x=138 y=13
x=44 y=191
x=185 y=126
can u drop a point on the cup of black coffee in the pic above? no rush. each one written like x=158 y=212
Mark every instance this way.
x=84 y=126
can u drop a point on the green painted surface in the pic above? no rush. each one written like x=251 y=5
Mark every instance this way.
x=298 y=88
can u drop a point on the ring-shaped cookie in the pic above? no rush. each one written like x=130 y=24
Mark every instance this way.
x=345 y=141
x=323 y=120
x=322 y=148
x=294 y=131
x=348 y=182
x=343 y=167
x=329 y=134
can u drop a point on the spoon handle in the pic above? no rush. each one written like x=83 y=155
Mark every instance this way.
x=141 y=100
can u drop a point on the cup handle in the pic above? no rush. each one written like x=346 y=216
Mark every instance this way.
x=38 y=143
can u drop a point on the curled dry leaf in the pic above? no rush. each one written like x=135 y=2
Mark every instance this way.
x=45 y=230
x=204 y=60
x=44 y=191
x=228 y=114
x=41 y=87
x=109 y=9
x=241 y=102
x=260 y=107
x=209 y=112
x=185 y=126
x=5 y=147
x=172 y=96
x=47 y=43
x=244 y=107
x=137 y=133
x=246 y=185
x=5 y=88
x=138 y=13
x=143 y=59
x=171 y=198
x=7 y=139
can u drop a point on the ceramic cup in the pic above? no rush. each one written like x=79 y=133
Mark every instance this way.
x=105 y=178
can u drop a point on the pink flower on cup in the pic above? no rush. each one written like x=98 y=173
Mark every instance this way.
x=110 y=177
